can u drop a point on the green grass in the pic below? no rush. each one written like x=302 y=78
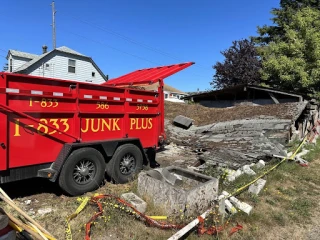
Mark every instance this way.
x=314 y=151
x=292 y=146
x=288 y=200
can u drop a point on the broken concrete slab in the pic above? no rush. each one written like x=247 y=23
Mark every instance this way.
x=135 y=201
x=241 y=205
x=225 y=193
x=228 y=205
x=231 y=178
x=182 y=121
x=257 y=187
x=238 y=173
x=261 y=164
x=193 y=196
x=222 y=205
x=233 y=175
x=301 y=161
x=247 y=170
x=230 y=208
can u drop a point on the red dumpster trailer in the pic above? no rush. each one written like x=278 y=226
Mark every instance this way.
x=73 y=132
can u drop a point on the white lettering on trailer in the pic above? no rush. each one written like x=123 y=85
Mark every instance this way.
x=139 y=100
x=58 y=94
x=129 y=99
x=149 y=101
x=116 y=98
x=103 y=97
x=87 y=96
x=12 y=90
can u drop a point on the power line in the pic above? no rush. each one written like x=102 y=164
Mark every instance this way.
x=131 y=40
x=130 y=54
x=117 y=49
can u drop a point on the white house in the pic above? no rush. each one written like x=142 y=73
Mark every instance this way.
x=170 y=93
x=61 y=63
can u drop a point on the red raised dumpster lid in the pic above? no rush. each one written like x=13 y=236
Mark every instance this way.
x=148 y=75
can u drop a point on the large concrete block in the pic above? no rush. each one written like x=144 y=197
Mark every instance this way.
x=247 y=170
x=192 y=195
x=135 y=201
x=182 y=121
x=257 y=186
x=241 y=205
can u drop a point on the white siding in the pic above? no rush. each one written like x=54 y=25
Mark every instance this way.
x=58 y=68
x=17 y=62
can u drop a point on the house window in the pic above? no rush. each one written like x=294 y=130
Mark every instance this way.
x=10 y=69
x=166 y=95
x=93 y=74
x=47 y=66
x=72 y=66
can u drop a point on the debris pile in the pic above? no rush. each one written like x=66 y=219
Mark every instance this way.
x=240 y=135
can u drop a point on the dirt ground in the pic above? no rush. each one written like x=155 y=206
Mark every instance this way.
x=203 y=115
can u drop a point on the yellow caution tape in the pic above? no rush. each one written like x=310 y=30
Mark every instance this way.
x=86 y=199
x=158 y=217
x=72 y=216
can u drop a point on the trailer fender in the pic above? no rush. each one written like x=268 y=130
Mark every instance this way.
x=110 y=147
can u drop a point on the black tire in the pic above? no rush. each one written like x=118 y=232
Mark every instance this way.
x=82 y=172
x=126 y=162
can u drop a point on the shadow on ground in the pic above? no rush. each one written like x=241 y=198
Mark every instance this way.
x=31 y=187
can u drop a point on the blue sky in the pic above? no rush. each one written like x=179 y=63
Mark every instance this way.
x=124 y=35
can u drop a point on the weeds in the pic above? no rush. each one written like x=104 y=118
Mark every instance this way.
x=302 y=207
x=279 y=218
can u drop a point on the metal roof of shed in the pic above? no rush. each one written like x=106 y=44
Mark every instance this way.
x=148 y=75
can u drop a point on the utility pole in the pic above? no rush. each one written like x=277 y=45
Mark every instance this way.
x=53 y=25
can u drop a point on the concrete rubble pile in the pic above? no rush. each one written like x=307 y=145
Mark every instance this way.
x=237 y=147
x=236 y=143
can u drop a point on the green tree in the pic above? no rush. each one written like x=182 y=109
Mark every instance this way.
x=240 y=66
x=292 y=61
x=281 y=17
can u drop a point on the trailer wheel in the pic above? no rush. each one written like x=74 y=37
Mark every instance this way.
x=125 y=163
x=82 y=172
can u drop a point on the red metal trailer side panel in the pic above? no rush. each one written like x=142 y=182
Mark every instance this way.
x=39 y=115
